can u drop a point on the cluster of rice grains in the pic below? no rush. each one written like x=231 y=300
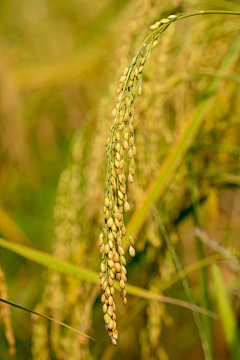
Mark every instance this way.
x=61 y=295
x=120 y=142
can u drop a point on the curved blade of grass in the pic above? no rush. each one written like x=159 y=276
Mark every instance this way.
x=146 y=294
x=207 y=323
x=176 y=261
x=221 y=177
x=228 y=319
x=89 y=275
x=190 y=269
x=224 y=177
x=225 y=253
x=50 y=261
x=10 y=229
x=216 y=73
x=47 y=318
x=219 y=148
x=176 y=155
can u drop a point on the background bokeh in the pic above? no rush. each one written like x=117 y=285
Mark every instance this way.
x=59 y=66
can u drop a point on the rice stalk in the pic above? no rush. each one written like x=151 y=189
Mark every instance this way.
x=5 y=315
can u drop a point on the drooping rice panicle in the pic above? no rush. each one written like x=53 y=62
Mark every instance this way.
x=121 y=145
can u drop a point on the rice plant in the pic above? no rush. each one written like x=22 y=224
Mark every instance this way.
x=177 y=147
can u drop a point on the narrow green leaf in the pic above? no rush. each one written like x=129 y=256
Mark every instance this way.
x=49 y=260
x=222 y=177
x=224 y=252
x=190 y=269
x=219 y=148
x=207 y=323
x=47 y=318
x=228 y=319
x=89 y=275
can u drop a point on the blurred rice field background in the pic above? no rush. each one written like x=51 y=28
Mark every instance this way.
x=59 y=67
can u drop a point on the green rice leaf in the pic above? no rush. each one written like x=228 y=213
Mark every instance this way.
x=55 y=263
x=227 y=316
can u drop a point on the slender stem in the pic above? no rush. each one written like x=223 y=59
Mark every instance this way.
x=163 y=27
x=208 y=12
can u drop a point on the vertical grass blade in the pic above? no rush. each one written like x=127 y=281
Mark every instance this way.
x=228 y=319
x=185 y=283
x=207 y=323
